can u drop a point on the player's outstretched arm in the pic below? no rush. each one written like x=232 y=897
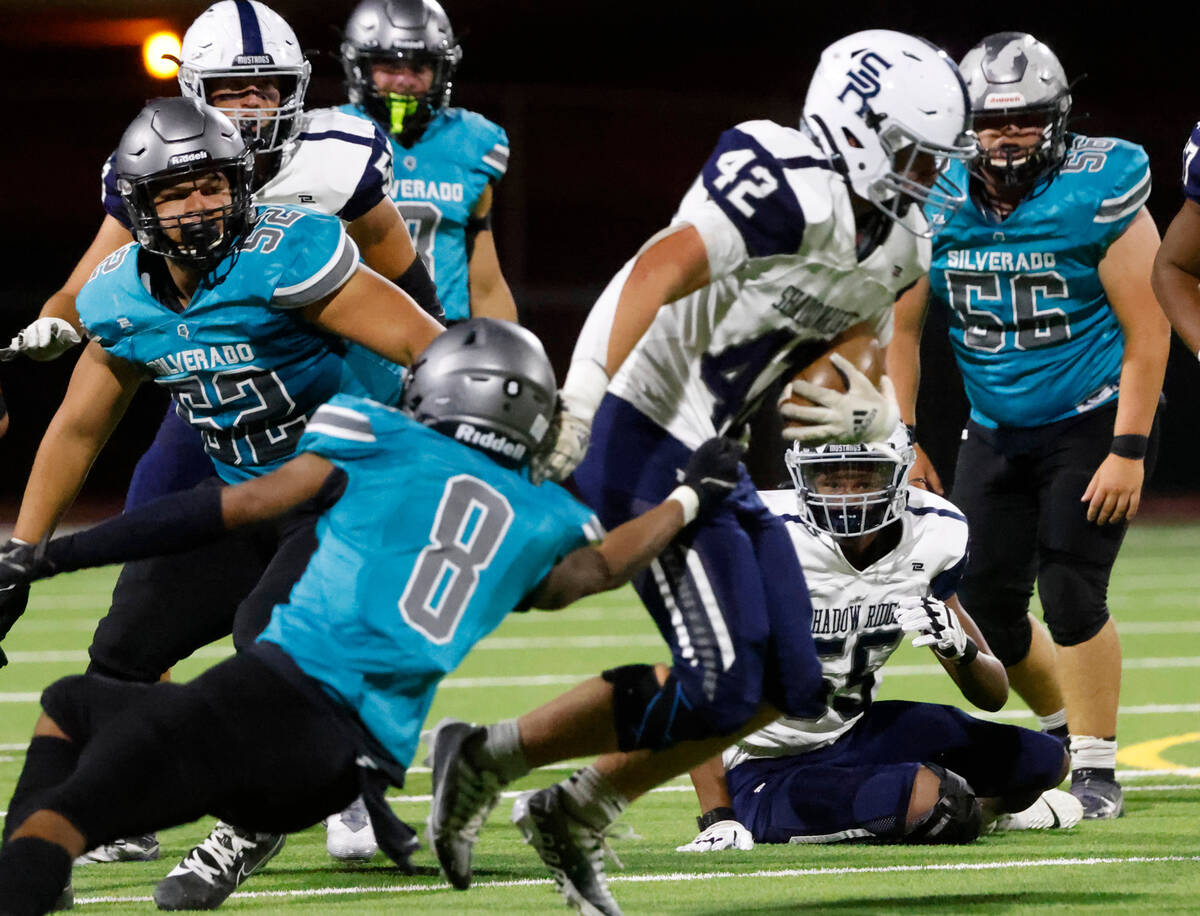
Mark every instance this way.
x=57 y=327
x=711 y=475
x=99 y=391
x=1176 y=274
x=376 y=313
x=176 y=522
x=958 y=645
x=673 y=264
x=1114 y=492
x=903 y=362
x=386 y=247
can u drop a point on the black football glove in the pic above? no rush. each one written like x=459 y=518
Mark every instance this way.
x=21 y=563
x=713 y=471
x=13 y=599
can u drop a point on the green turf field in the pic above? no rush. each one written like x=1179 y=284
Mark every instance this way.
x=1149 y=861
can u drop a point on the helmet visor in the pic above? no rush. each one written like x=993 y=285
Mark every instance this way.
x=846 y=495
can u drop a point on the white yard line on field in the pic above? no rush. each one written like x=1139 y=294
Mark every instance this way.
x=680 y=877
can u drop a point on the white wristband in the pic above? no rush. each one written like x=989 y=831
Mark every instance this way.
x=688 y=500
x=584 y=388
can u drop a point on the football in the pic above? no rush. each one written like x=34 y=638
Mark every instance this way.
x=859 y=345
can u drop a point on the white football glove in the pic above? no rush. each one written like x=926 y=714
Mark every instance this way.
x=568 y=443
x=863 y=414
x=721 y=835
x=935 y=624
x=45 y=339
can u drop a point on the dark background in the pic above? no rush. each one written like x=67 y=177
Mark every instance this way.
x=610 y=108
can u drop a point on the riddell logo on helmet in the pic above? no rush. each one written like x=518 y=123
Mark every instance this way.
x=1003 y=100
x=193 y=156
x=491 y=441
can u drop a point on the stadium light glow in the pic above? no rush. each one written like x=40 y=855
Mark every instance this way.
x=153 y=49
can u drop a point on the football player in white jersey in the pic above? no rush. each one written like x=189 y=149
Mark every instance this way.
x=244 y=58
x=789 y=238
x=880 y=560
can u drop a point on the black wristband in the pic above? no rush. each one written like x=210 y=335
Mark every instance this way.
x=1129 y=446
x=417 y=283
x=968 y=654
x=714 y=815
x=912 y=431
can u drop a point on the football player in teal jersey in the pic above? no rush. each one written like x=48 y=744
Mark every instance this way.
x=243 y=313
x=1045 y=274
x=416 y=561
x=399 y=57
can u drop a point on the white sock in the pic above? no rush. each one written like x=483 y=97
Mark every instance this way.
x=592 y=799
x=501 y=751
x=1054 y=720
x=1089 y=753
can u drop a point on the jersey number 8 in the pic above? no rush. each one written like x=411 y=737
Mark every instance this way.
x=469 y=526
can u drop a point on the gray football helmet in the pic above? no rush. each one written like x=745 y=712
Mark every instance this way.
x=852 y=490
x=171 y=141
x=488 y=384
x=1014 y=78
x=417 y=31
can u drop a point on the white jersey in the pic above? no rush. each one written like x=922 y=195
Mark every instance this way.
x=338 y=164
x=853 y=627
x=776 y=220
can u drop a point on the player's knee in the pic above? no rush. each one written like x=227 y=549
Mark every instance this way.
x=955 y=816
x=653 y=716
x=61 y=703
x=1010 y=640
x=1042 y=764
x=1074 y=597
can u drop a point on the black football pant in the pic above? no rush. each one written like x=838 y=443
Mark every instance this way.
x=165 y=608
x=1020 y=491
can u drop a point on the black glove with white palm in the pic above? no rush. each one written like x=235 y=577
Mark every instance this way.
x=936 y=625
x=863 y=413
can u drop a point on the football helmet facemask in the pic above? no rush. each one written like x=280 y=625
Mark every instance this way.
x=246 y=40
x=891 y=111
x=1014 y=79
x=175 y=141
x=487 y=384
x=416 y=32
x=852 y=490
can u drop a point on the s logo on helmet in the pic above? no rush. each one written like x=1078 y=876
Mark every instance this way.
x=864 y=82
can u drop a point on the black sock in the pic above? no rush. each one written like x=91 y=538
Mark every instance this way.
x=33 y=873
x=48 y=763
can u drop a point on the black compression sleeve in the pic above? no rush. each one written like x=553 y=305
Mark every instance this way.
x=169 y=524
x=417 y=283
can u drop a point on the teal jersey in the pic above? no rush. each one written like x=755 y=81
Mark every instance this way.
x=1032 y=330
x=437 y=184
x=429 y=547
x=241 y=363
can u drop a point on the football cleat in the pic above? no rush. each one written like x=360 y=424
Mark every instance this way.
x=463 y=796
x=1054 y=809
x=131 y=849
x=214 y=869
x=349 y=836
x=572 y=850
x=1102 y=799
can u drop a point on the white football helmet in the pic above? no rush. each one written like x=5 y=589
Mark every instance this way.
x=245 y=38
x=878 y=102
x=851 y=490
